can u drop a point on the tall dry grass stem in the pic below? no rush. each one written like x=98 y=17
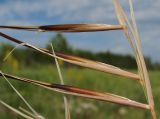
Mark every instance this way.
x=129 y=27
x=137 y=50
x=66 y=103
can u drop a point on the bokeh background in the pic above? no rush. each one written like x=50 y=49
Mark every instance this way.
x=108 y=47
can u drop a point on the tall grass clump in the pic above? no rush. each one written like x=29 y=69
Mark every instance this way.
x=127 y=24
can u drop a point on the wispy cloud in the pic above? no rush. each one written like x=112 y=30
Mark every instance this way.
x=64 y=9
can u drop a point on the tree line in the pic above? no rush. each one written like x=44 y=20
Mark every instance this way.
x=28 y=57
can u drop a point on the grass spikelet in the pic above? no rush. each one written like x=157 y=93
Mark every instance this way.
x=64 y=89
x=79 y=61
x=67 y=27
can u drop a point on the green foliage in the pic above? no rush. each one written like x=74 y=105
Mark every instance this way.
x=11 y=61
x=59 y=43
x=124 y=61
x=5 y=48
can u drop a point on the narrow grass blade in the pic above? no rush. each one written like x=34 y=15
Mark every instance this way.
x=15 y=110
x=22 y=98
x=12 y=51
x=66 y=104
x=79 y=61
x=99 y=66
x=67 y=27
x=30 y=114
x=82 y=92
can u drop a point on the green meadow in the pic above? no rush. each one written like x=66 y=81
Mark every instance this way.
x=50 y=104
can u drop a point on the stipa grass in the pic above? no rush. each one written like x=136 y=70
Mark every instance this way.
x=81 y=92
x=130 y=29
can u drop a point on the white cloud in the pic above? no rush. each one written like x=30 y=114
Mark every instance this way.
x=82 y=10
x=70 y=9
x=75 y=9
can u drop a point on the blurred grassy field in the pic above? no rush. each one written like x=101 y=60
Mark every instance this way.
x=50 y=104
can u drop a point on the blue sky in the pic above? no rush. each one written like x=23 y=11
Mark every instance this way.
x=44 y=12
